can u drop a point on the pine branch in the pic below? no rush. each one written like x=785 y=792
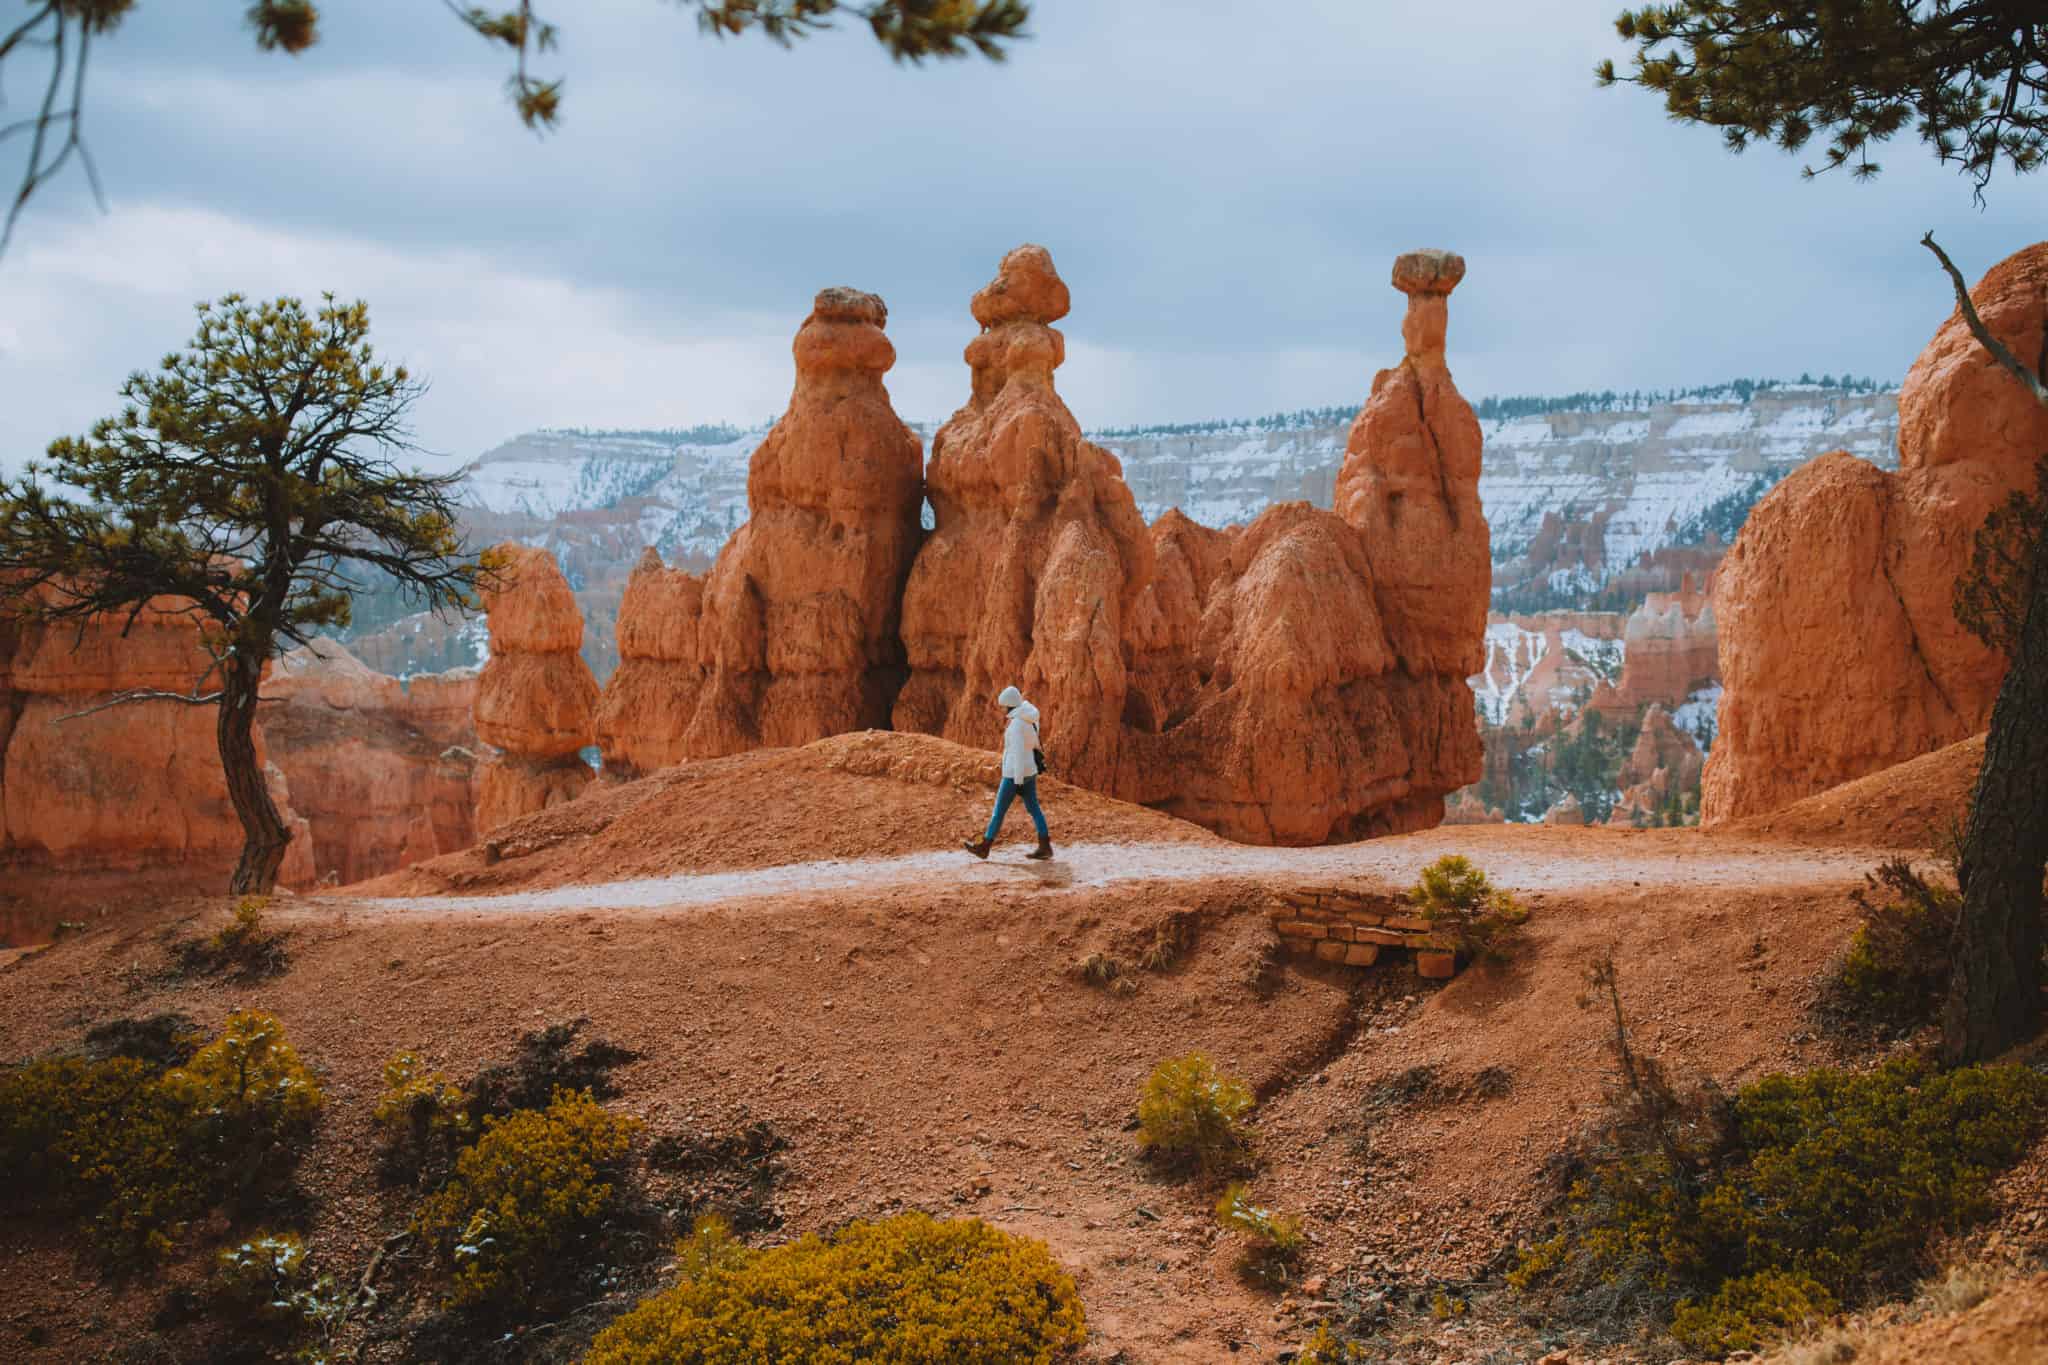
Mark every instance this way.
x=194 y=698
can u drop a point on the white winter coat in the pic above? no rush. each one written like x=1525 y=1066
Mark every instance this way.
x=1020 y=737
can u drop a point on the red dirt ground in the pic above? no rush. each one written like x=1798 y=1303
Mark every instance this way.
x=912 y=1020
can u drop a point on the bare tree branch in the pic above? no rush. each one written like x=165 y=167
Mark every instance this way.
x=195 y=698
x=1998 y=349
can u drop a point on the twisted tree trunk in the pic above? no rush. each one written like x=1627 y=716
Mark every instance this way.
x=264 y=835
x=1994 y=996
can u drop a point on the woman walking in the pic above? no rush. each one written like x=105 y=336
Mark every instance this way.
x=1020 y=775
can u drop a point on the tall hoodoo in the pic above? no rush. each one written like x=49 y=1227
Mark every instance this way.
x=792 y=636
x=536 y=697
x=1840 y=650
x=1410 y=481
x=1039 y=555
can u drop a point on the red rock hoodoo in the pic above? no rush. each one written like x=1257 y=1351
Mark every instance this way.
x=535 y=700
x=1034 y=569
x=382 y=771
x=793 y=635
x=1839 y=649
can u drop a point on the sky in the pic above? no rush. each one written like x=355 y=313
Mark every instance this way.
x=1223 y=186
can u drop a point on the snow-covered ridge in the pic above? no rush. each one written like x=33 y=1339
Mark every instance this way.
x=1644 y=471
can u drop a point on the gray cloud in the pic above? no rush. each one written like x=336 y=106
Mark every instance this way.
x=1223 y=191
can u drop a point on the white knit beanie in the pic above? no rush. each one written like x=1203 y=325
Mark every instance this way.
x=1009 y=696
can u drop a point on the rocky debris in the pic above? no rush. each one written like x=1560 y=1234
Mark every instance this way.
x=90 y=786
x=793 y=634
x=1034 y=569
x=379 y=769
x=536 y=698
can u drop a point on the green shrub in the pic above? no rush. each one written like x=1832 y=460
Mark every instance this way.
x=265 y=1281
x=907 y=1291
x=1895 y=973
x=1750 y=1313
x=1273 y=1239
x=253 y=1105
x=424 y=1121
x=1463 y=906
x=1832 y=1187
x=1189 y=1110
x=535 y=1184
x=136 y=1153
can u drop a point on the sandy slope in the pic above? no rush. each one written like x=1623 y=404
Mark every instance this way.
x=910 y=1018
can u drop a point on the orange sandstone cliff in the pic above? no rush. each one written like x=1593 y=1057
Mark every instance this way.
x=1840 y=652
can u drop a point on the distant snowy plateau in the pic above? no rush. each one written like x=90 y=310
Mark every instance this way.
x=1648 y=476
x=1579 y=493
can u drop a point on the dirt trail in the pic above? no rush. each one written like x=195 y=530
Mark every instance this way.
x=1593 y=860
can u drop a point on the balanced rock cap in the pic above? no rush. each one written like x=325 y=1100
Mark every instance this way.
x=1429 y=271
x=1026 y=288
x=841 y=304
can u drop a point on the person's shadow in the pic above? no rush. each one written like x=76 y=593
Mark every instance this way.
x=1050 y=875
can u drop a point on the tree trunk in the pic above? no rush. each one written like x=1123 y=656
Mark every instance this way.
x=264 y=836
x=1994 y=996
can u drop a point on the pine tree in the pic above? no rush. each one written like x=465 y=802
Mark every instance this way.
x=244 y=477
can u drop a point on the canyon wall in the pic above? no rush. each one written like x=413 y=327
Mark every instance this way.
x=1839 y=648
x=87 y=785
x=381 y=771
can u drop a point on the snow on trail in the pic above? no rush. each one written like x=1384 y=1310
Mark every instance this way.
x=1087 y=866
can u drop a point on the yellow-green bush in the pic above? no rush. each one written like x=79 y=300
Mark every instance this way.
x=1190 y=1110
x=423 y=1117
x=1750 y=1313
x=1273 y=1239
x=908 y=1291
x=246 y=945
x=253 y=1104
x=1832 y=1187
x=136 y=1152
x=533 y=1184
x=1462 y=905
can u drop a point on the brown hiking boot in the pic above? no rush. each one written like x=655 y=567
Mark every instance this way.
x=978 y=847
x=1043 y=851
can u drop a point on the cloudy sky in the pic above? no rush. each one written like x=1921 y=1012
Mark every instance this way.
x=1223 y=191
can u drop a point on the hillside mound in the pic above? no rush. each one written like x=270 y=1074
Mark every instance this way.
x=1908 y=805
x=870 y=794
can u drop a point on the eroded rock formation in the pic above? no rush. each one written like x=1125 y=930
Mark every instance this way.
x=793 y=635
x=1033 y=572
x=1839 y=649
x=1333 y=649
x=382 y=771
x=536 y=698
x=1670 y=648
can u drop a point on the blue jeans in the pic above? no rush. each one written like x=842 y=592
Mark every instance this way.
x=1028 y=788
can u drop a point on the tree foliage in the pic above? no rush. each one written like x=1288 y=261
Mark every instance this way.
x=1991 y=595
x=1970 y=76
x=66 y=30
x=240 y=485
